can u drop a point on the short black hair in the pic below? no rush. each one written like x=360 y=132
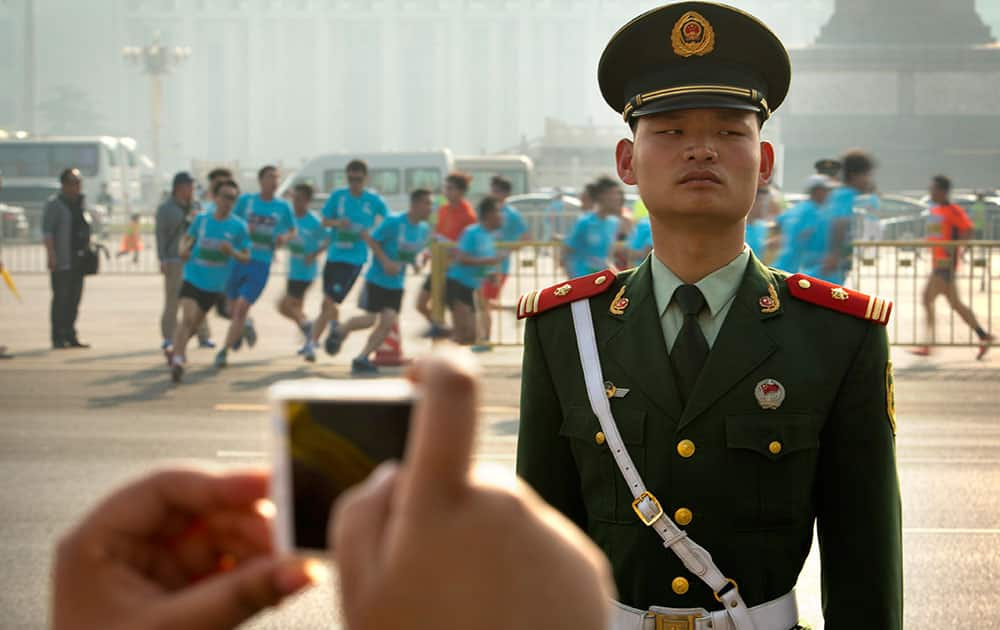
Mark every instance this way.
x=486 y=206
x=66 y=174
x=356 y=165
x=857 y=162
x=266 y=170
x=942 y=182
x=501 y=183
x=590 y=189
x=223 y=183
x=459 y=180
x=219 y=172
x=419 y=193
x=304 y=188
x=603 y=184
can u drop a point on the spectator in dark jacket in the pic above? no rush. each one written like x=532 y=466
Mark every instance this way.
x=66 y=230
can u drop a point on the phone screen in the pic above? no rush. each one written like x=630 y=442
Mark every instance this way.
x=333 y=445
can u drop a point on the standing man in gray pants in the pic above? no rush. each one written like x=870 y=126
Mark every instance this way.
x=172 y=220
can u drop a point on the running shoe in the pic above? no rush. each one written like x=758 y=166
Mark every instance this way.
x=220 y=359
x=984 y=346
x=481 y=347
x=250 y=333
x=307 y=330
x=333 y=342
x=308 y=352
x=361 y=365
x=436 y=331
x=176 y=372
x=206 y=344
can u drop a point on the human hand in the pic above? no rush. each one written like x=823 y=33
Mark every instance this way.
x=392 y=268
x=226 y=248
x=424 y=546
x=177 y=549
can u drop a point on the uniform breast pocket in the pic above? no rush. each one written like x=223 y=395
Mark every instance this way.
x=605 y=493
x=772 y=463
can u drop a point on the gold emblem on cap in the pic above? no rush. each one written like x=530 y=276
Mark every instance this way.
x=838 y=293
x=563 y=290
x=693 y=35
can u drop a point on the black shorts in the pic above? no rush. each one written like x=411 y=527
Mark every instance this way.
x=297 y=288
x=204 y=299
x=455 y=291
x=338 y=278
x=375 y=299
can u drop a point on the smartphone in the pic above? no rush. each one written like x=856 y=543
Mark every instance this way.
x=329 y=435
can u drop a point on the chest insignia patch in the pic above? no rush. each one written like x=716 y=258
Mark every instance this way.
x=769 y=393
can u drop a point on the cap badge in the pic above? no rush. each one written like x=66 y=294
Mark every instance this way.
x=692 y=35
x=770 y=302
x=838 y=293
x=769 y=393
x=563 y=290
x=619 y=304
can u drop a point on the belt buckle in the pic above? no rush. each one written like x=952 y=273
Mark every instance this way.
x=647 y=521
x=674 y=622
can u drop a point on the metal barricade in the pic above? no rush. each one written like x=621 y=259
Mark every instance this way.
x=901 y=270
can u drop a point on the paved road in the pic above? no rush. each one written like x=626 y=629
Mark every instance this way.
x=73 y=423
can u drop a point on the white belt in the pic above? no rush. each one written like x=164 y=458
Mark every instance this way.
x=777 y=614
x=694 y=557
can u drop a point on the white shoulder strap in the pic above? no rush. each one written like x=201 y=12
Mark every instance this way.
x=694 y=557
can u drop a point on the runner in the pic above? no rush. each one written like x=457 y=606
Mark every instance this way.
x=395 y=243
x=514 y=229
x=948 y=222
x=211 y=240
x=475 y=257
x=589 y=246
x=310 y=240
x=797 y=225
x=642 y=241
x=351 y=212
x=271 y=224
x=452 y=218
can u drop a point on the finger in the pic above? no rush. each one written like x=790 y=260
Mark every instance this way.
x=142 y=507
x=436 y=465
x=227 y=600
x=357 y=529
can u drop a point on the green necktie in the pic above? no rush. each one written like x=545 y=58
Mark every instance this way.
x=690 y=348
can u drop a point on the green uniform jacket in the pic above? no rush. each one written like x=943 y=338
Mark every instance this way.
x=753 y=510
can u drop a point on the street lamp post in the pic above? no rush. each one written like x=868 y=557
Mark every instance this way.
x=157 y=60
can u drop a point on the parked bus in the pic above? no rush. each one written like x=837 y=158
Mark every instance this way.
x=517 y=168
x=392 y=175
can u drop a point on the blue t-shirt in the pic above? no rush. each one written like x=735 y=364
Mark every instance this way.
x=797 y=227
x=756 y=236
x=401 y=241
x=590 y=243
x=514 y=227
x=208 y=267
x=642 y=237
x=266 y=220
x=310 y=235
x=346 y=244
x=477 y=242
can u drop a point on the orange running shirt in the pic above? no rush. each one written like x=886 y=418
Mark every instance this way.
x=453 y=219
x=947 y=223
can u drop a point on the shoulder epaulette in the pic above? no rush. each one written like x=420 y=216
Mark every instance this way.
x=838 y=298
x=535 y=302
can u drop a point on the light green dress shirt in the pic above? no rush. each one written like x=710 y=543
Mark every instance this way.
x=719 y=289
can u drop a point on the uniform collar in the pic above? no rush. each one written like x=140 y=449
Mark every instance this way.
x=718 y=287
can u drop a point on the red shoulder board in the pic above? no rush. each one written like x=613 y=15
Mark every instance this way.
x=837 y=298
x=535 y=302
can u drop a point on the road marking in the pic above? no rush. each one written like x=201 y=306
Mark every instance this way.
x=240 y=407
x=238 y=454
x=950 y=530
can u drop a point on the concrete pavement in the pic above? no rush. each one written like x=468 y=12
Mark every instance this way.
x=74 y=423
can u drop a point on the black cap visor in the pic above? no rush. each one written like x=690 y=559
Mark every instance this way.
x=696 y=101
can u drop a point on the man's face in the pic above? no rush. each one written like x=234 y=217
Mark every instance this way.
x=493 y=220
x=356 y=180
x=225 y=200
x=300 y=201
x=938 y=194
x=819 y=195
x=422 y=207
x=864 y=182
x=499 y=195
x=73 y=185
x=697 y=164
x=611 y=200
x=269 y=182
x=184 y=193
x=453 y=193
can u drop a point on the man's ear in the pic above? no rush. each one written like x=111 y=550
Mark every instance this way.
x=623 y=159
x=766 y=164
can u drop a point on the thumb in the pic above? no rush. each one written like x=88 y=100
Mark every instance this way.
x=227 y=600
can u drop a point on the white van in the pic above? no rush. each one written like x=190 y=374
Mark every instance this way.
x=392 y=175
x=519 y=169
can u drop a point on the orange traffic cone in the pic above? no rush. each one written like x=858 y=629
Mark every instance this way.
x=390 y=353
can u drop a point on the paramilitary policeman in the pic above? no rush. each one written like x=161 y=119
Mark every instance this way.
x=699 y=414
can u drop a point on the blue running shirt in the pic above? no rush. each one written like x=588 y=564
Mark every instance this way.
x=266 y=220
x=477 y=242
x=514 y=227
x=310 y=235
x=208 y=267
x=401 y=241
x=346 y=245
x=590 y=243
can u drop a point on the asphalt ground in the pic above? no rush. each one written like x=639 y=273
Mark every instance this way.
x=75 y=423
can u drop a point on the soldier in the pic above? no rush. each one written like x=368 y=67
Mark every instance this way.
x=702 y=389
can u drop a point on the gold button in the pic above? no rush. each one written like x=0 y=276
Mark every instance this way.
x=774 y=447
x=599 y=280
x=685 y=448
x=599 y=438
x=680 y=585
x=683 y=516
x=805 y=284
